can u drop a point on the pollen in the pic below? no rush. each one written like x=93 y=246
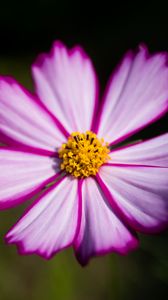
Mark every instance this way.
x=83 y=154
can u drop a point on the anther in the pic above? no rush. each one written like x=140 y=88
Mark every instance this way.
x=92 y=139
x=75 y=137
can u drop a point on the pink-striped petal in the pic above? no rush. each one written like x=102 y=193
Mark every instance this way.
x=153 y=152
x=24 y=121
x=141 y=193
x=23 y=174
x=66 y=83
x=136 y=96
x=50 y=225
x=101 y=231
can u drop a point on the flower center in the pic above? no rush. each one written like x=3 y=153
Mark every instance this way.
x=83 y=154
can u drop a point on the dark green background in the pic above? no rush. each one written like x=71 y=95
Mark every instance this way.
x=106 y=32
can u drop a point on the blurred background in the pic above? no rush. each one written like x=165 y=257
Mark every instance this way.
x=106 y=32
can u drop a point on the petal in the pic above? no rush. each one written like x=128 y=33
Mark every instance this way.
x=23 y=120
x=101 y=231
x=153 y=152
x=136 y=96
x=50 y=225
x=23 y=174
x=141 y=193
x=66 y=83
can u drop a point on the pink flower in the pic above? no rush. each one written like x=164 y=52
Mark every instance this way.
x=103 y=198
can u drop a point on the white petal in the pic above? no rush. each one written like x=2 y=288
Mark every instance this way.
x=23 y=120
x=101 y=230
x=23 y=174
x=66 y=83
x=141 y=193
x=153 y=152
x=50 y=225
x=136 y=96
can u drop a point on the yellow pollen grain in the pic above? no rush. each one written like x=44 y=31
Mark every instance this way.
x=83 y=154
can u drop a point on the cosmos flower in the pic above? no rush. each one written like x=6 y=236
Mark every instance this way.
x=99 y=196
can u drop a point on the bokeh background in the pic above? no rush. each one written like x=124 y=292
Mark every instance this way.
x=105 y=32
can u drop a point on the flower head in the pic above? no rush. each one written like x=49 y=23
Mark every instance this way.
x=83 y=154
x=98 y=196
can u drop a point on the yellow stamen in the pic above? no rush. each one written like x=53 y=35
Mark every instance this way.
x=83 y=154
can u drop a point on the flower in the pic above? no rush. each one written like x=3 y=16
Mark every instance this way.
x=99 y=196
